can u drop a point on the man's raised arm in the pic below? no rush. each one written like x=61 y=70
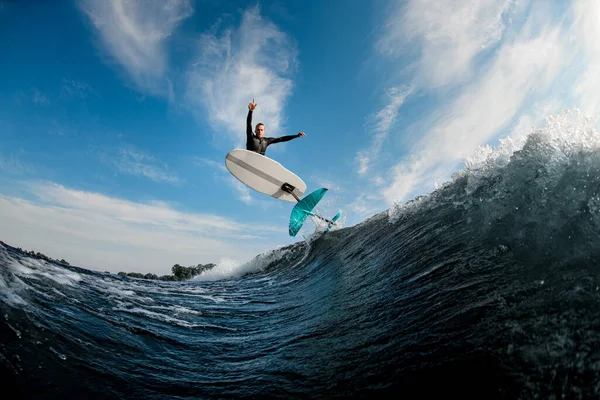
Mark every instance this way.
x=251 y=108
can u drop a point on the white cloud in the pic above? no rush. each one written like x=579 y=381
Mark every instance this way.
x=508 y=65
x=449 y=34
x=134 y=34
x=525 y=66
x=228 y=68
x=242 y=190
x=236 y=65
x=446 y=39
x=201 y=161
x=39 y=98
x=73 y=88
x=532 y=120
x=587 y=32
x=383 y=122
x=364 y=206
x=12 y=165
x=135 y=162
x=103 y=233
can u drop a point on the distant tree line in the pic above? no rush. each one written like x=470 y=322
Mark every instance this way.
x=179 y=272
x=41 y=256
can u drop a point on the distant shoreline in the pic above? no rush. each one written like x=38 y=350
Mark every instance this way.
x=179 y=272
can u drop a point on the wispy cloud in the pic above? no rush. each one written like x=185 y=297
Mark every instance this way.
x=114 y=234
x=75 y=89
x=533 y=119
x=202 y=162
x=134 y=34
x=242 y=190
x=437 y=46
x=227 y=69
x=521 y=68
x=135 y=162
x=13 y=166
x=60 y=128
x=235 y=65
x=493 y=61
x=449 y=35
x=586 y=33
x=39 y=98
x=382 y=122
x=364 y=205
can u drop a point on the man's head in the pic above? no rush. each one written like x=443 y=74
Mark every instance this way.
x=260 y=130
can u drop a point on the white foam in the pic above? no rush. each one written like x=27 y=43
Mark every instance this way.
x=175 y=309
x=119 y=292
x=156 y=316
x=227 y=268
x=190 y=290
x=184 y=310
x=62 y=277
x=321 y=225
x=33 y=269
x=7 y=292
x=19 y=268
x=562 y=136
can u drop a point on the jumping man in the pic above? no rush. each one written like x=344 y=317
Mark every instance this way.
x=256 y=141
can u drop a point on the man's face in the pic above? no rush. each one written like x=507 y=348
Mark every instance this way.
x=260 y=130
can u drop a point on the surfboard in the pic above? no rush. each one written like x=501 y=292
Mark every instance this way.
x=264 y=175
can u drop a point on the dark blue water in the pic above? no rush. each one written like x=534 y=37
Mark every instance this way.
x=487 y=288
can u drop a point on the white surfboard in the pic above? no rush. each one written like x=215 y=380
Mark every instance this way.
x=263 y=174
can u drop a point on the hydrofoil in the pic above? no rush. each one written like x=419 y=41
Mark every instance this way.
x=269 y=177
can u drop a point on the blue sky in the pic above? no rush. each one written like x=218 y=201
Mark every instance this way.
x=116 y=116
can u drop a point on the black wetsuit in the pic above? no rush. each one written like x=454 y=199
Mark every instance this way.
x=259 y=145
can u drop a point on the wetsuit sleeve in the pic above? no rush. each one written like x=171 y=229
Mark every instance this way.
x=282 y=139
x=249 y=133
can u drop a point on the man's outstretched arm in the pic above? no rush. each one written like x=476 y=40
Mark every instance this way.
x=286 y=138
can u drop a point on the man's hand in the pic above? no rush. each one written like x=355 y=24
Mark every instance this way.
x=301 y=134
x=252 y=105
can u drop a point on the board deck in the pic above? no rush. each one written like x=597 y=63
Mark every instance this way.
x=263 y=174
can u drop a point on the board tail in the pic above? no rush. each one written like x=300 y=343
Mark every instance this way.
x=304 y=208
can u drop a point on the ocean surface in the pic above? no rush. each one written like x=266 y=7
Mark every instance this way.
x=487 y=287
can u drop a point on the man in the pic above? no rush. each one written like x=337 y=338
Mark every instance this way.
x=257 y=142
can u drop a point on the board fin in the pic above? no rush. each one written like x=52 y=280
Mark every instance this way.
x=304 y=208
x=335 y=218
